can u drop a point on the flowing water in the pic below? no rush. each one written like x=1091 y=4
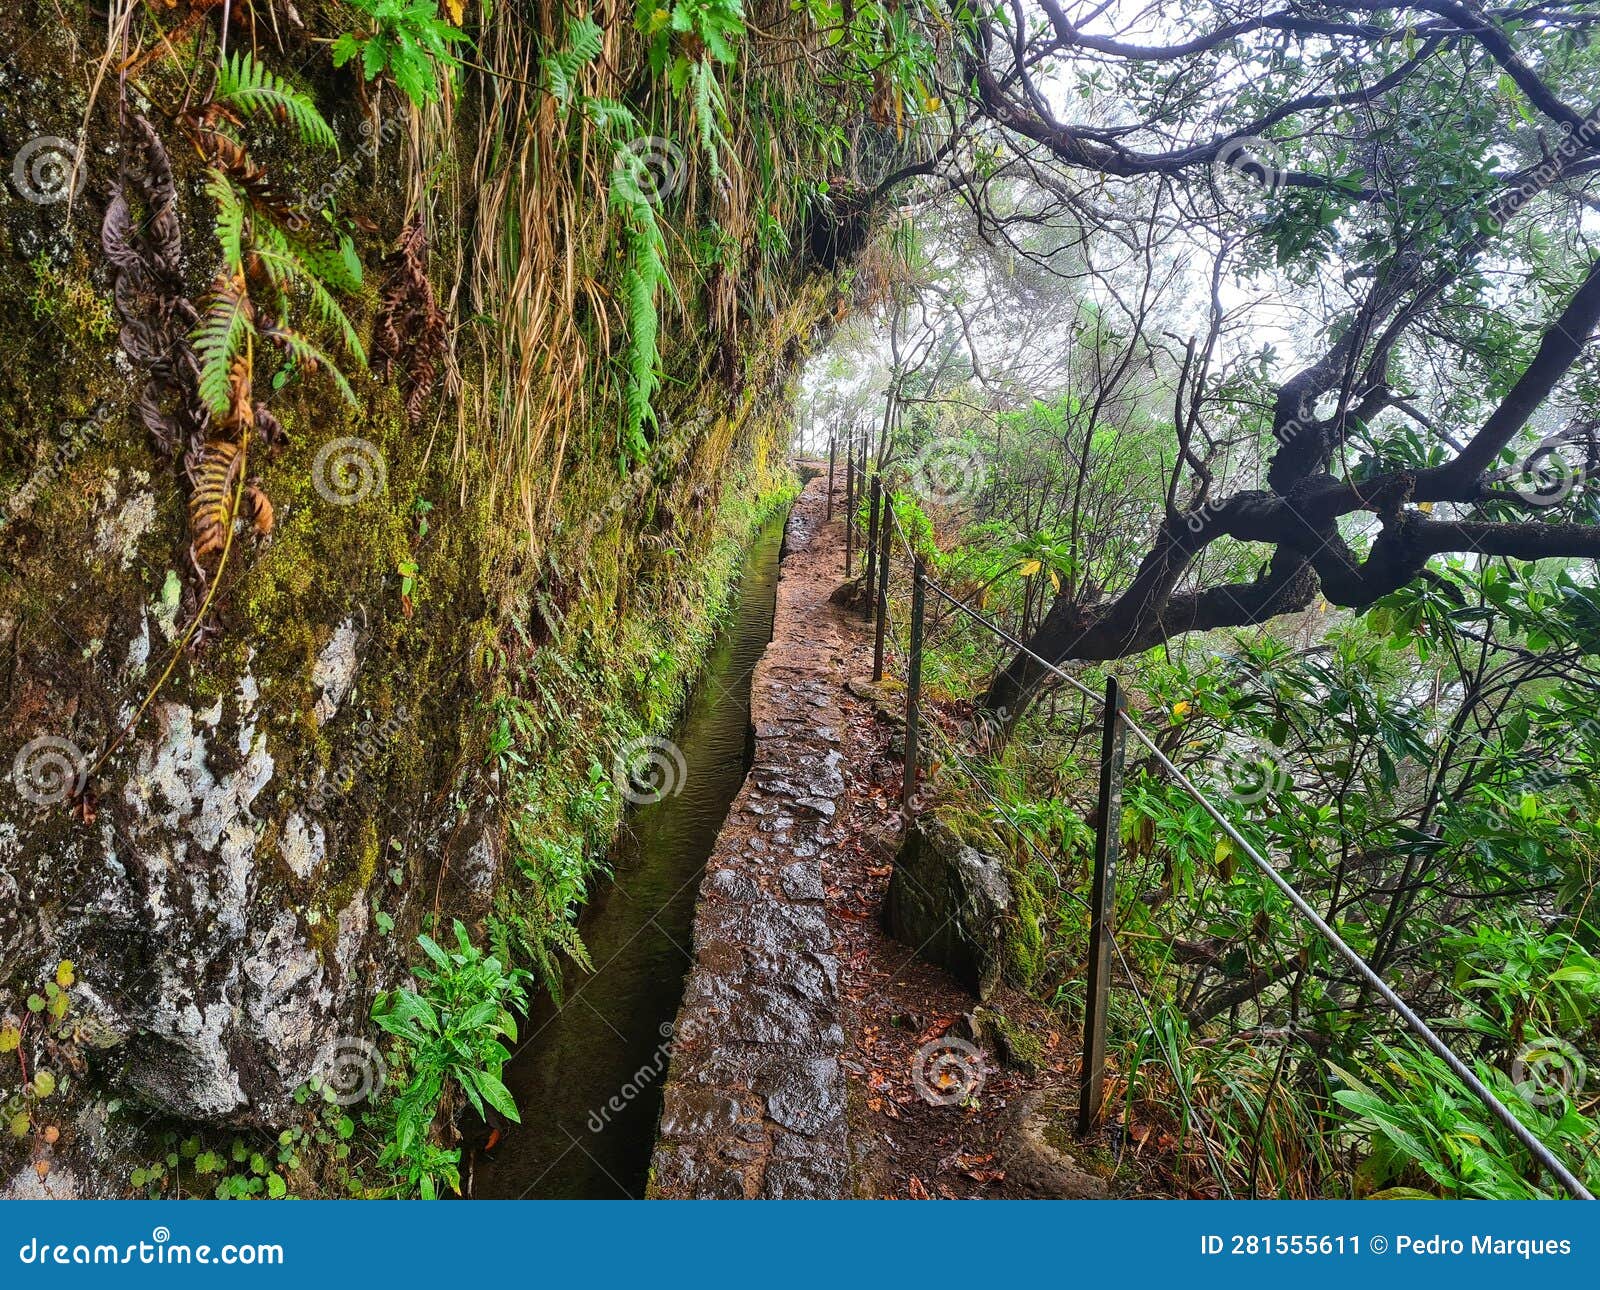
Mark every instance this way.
x=588 y=1076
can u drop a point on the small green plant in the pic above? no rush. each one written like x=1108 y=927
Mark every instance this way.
x=409 y=40
x=452 y=1030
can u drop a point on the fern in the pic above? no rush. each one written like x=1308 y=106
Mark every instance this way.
x=230 y=219
x=288 y=267
x=708 y=111
x=250 y=230
x=255 y=90
x=219 y=338
x=308 y=356
x=609 y=116
x=583 y=39
x=643 y=278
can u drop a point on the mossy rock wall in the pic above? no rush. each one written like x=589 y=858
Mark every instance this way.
x=316 y=779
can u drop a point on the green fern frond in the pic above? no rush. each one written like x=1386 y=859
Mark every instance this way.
x=339 y=267
x=288 y=267
x=644 y=277
x=230 y=218
x=708 y=112
x=307 y=355
x=583 y=40
x=218 y=339
x=256 y=90
x=609 y=116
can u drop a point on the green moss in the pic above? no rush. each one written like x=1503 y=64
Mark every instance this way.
x=1025 y=941
x=1019 y=1046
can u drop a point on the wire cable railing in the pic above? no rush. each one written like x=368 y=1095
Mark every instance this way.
x=1117 y=720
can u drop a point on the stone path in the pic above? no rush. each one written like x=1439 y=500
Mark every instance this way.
x=755 y=1098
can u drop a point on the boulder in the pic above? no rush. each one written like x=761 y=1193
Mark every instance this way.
x=952 y=904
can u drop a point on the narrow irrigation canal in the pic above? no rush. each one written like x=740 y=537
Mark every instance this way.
x=588 y=1079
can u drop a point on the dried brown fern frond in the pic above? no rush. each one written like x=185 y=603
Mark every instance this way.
x=212 y=504
x=144 y=245
x=413 y=331
x=208 y=129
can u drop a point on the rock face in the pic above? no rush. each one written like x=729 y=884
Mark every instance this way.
x=950 y=902
x=754 y=1104
x=215 y=994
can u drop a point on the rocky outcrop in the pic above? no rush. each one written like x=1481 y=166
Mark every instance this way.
x=951 y=903
x=754 y=1105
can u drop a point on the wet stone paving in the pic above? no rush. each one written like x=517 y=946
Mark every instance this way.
x=755 y=1100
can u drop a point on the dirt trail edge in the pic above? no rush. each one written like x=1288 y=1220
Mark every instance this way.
x=754 y=1104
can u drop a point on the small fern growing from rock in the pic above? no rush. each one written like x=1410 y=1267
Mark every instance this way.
x=267 y=261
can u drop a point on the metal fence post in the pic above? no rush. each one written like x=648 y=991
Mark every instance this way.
x=1102 y=908
x=849 y=501
x=833 y=444
x=908 y=786
x=861 y=475
x=883 y=586
x=872 y=544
